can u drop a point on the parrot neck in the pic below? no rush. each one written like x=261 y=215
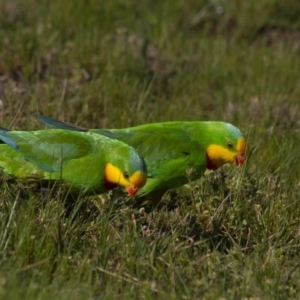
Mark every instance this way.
x=210 y=164
x=109 y=185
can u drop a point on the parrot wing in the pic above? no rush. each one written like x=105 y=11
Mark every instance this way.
x=160 y=146
x=58 y=124
x=48 y=149
x=168 y=152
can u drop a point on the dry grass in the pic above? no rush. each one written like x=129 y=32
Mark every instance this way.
x=233 y=234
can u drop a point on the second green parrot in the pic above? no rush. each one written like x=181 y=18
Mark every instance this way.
x=86 y=162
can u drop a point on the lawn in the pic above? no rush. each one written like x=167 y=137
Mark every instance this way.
x=233 y=234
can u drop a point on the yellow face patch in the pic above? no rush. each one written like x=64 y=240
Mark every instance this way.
x=138 y=179
x=218 y=155
x=114 y=176
x=241 y=146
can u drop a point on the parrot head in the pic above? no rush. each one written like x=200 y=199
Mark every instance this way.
x=129 y=172
x=229 y=146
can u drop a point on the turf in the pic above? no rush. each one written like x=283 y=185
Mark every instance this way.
x=234 y=234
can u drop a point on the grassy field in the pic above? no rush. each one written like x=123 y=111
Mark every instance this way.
x=235 y=233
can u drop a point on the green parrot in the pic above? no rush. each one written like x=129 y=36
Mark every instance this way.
x=175 y=152
x=86 y=162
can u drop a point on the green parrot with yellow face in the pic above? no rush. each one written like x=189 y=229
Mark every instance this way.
x=86 y=162
x=175 y=152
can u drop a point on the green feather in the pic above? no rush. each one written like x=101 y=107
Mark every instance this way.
x=77 y=158
x=170 y=149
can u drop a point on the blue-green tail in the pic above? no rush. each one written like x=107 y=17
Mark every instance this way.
x=4 y=138
x=58 y=124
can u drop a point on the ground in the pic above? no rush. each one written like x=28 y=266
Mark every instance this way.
x=234 y=234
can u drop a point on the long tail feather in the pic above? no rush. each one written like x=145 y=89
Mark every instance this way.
x=2 y=129
x=58 y=124
x=7 y=139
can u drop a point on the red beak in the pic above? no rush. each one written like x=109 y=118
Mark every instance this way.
x=131 y=190
x=240 y=159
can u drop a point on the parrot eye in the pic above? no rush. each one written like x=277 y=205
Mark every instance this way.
x=126 y=174
x=230 y=145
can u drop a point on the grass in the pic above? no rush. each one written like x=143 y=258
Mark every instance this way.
x=234 y=234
